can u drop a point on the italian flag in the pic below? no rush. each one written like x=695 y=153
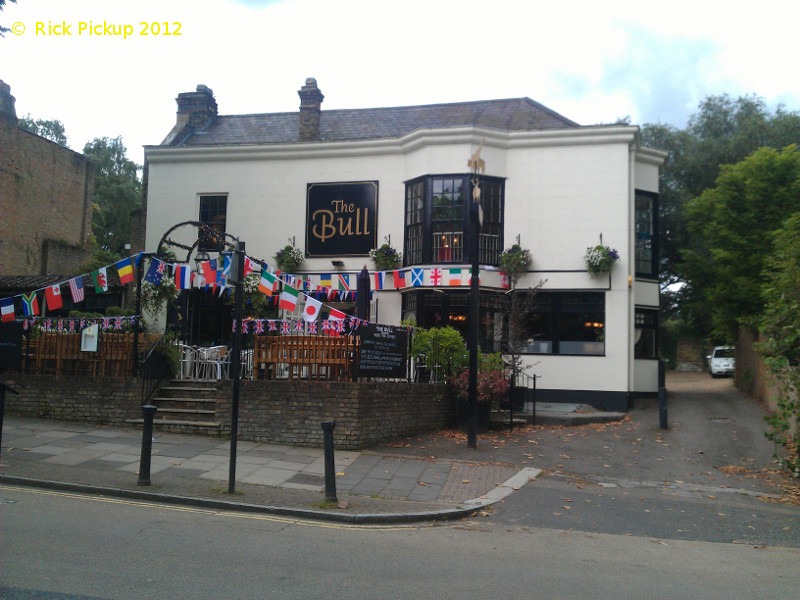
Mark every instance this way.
x=288 y=299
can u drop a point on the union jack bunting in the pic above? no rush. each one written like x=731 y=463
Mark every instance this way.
x=258 y=326
x=312 y=327
x=245 y=326
x=286 y=327
x=271 y=325
x=298 y=325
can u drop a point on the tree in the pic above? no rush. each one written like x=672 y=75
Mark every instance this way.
x=780 y=328
x=736 y=221
x=117 y=193
x=52 y=130
x=4 y=30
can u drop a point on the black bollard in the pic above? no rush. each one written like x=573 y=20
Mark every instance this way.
x=662 y=395
x=3 y=388
x=149 y=412
x=330 y=466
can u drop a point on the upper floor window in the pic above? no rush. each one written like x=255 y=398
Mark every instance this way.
x=437 y=219
x=213 y=212
x=646 y=234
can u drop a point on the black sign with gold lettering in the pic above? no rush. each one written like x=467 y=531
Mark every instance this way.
x=341 y=218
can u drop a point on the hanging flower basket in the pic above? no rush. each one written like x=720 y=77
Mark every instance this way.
x=385 y=258
x=600 y=259
x=514 y=262
x=289 y=259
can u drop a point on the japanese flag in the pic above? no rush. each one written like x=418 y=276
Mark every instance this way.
x=311 y=310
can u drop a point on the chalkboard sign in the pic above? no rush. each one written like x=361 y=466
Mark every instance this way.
x=383 y=351
x=11 y=345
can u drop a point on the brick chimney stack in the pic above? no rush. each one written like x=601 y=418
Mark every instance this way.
x=197 y=108
x=7 y=101
x=310 y=108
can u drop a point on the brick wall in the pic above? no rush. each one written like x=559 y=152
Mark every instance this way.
x=46 y=193
x=290 y=412
x=281 y=412
x=102 y=400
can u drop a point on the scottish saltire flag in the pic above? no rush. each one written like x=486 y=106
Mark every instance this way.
x=343 y=281
x=378 y=276
x=125 y=271
x=7 y=309
x=183 y=277
x=76 y=288
x=156 y=271
x=30 y=305
x=417 y=277
x=226 y=265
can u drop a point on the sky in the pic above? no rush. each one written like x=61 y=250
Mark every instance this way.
x=592 y=62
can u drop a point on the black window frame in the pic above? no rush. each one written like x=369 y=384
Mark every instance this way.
x=554 y=313
x=213 y=212
x=646 y=250
x=432 y=236
x=646 y=321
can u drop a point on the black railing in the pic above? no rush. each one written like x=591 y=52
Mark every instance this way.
x=154 y=368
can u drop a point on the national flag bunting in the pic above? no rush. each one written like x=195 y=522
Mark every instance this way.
x=250 y=266
x=311 y=310
x=183 y=277
x=325 y=280
x=336 y=315
x=210 y=271
x=53 y=295
x=100 y=278
x=436 y=277
x=156 y=271
x=267 y=283
x=76 y=288
x=30 y=304
x=417 y=276
x=288 y=298
x=125 y=271
x=399 y=279
x=455 y=277
x=378 y=277
x=7 y=309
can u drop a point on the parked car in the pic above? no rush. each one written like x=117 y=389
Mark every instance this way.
x=722 y=361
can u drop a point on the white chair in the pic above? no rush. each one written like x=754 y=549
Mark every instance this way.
x=188 y=361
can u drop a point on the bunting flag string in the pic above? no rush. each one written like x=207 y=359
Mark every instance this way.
x=280 y=288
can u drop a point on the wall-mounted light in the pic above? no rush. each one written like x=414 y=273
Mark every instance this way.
x=337 y=263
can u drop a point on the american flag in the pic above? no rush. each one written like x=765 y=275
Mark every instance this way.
x=76 y=288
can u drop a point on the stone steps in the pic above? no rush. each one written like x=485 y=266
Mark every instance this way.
x=185 y=406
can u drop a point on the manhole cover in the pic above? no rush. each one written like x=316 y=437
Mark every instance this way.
x=721 y=420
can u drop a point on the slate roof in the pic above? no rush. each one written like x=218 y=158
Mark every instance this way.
x=515 y=114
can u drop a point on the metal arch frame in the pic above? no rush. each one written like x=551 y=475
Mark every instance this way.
x=166 y=241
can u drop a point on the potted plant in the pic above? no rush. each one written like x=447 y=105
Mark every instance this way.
x=600 y=259
x=494 y=382
x=289 y=259
x=514 y=261
x=385 y=258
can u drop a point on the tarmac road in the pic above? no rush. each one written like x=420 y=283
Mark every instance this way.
x=710 y=477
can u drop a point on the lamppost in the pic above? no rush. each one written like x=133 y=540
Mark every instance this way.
x=475 y=163
x=237 y=269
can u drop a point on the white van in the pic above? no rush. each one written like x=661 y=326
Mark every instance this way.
x=722 y=361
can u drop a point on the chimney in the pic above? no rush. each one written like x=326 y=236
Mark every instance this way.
x=7 y=101
x=310 y=109
x=196 y=109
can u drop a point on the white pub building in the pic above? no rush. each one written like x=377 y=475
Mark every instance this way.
x=339 y=183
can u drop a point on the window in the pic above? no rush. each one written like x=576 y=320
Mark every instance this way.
x=213 y=212
x=566 y=323
x=646 y=328
x=437 y=219
x=646 y=235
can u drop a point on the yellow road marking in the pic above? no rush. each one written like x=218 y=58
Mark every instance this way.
x=207 y=511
